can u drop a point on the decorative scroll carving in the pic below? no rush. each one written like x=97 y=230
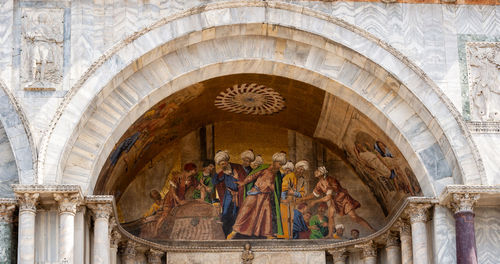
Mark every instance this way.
x=6 y=213
x=369 y=249
x=483 y=66
x=419 y=212
x=154 y=256
x=247 y=255
x=67 y=202
x=42 y=48
x=27 y=201
x=338 y=255
x=464 y=202
x=101 y=210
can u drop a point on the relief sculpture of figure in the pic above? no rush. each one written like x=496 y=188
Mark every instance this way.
x=255 y=218
x=337 y=198
x=42 y=38
x=228 y=189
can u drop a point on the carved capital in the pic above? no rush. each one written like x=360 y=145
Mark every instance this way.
x=404 y=227
x=115 y=238
x=154 y=256
x=129 y=250
x=338 y=254
x=27 y=201
x=7 y=213
x=67 y=202
x=369 y=249
x=392 y=239
x=464 y=202
x=101 y=210
x=419 y=212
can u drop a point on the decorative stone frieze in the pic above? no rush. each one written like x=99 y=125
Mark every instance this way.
x=464 y=202
x=338 y=255
x=154 y=256
x=27 y=201
x=419 y=212
x=67 y=202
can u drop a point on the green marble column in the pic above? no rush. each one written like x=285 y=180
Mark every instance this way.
x=7 y=253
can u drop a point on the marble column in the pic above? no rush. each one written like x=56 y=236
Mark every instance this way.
x=405 y=237
x=369 y=252
x=67 y=210
x=338 y=255
x=26 y=240
x=101 y=211
x=418 y=218
x=6 y=227
x=129 y=252
x=393 y=248
x=464 y=227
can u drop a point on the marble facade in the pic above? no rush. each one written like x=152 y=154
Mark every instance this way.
x=75 y=75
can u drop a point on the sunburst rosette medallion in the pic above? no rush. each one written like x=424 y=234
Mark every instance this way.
x=252 y=99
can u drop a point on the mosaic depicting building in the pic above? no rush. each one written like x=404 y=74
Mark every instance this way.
x=213 y=131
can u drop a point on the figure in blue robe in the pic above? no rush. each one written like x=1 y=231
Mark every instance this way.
x=299 y=224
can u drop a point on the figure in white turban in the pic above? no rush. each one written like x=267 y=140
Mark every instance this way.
x=337 y=198
x=226 y=182
x=291 y=189
x=247 y=157
x=255 y=218
x=257 y=165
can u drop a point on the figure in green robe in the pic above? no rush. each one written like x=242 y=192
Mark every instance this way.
x=319 y=223
x=204 y=178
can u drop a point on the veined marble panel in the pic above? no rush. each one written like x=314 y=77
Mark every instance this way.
x=490 y=153
x=487 y=229
x=296 y=257
x=443 y=228
x=8 y=168
x=46 y=237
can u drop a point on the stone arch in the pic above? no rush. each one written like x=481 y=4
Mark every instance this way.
x=16 y=128
x=434 y=118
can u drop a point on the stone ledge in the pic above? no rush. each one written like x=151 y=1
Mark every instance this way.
x=484 y=127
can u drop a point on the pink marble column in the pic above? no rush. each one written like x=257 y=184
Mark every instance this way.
x=101 y=211
x=418 y=218
x=369 y=252
x=338 y=255
x=464 y=227
x=26 y=240
x=67 y=211
x=405 y=237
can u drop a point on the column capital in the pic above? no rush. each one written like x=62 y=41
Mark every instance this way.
x=338 y=254
x=129 y=250
x=154 y=256
x=419 y=212
x=101 y=210
x=369 y=249
x=7 y=208
x=464 y=202
x=27 y=201
x=392 y=239
x=67 y=202
x=404 y=227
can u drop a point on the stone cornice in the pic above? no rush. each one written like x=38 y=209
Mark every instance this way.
x=484 y=127
x=36 y=188
x=95 y=199
x=446 y=197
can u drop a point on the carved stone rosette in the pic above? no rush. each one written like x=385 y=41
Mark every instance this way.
x=7 y=213
x=338 y=254
x=464 y=202
x=419 y=212
x=369 y=249
x=67 y=202
x=154 y=256
x=27 y=201
x=101 y=210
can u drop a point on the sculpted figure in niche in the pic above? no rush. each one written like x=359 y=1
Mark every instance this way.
x=337 y=198
x=484 y=80
x=44 y=39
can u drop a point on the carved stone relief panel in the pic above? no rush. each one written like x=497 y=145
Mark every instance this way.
x=483 y=66
x=42 y=36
